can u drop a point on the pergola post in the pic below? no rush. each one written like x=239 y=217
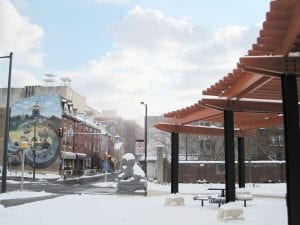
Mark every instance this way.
x=174 y=162
x=241 y=161
x=229 y=156
x=292 y=145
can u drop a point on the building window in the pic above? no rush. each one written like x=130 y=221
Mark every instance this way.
x=207 y=144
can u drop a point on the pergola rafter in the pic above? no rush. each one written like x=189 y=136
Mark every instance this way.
x=200 y=130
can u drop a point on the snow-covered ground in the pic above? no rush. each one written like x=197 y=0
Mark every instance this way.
x=268 y=208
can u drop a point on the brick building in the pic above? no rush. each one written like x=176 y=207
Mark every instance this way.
x=37 y=114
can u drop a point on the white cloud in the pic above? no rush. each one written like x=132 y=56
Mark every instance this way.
x=164 y=61
x=19 y=35
x=236 y=38
x=19 y=78
x=22 y=78
x=151 y=30
x=112 y=1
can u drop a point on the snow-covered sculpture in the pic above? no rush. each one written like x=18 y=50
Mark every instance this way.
x=132 y=177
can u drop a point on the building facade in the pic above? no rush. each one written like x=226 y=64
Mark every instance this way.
x=58 y=128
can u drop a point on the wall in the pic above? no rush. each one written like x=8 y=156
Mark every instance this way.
x=213 y=172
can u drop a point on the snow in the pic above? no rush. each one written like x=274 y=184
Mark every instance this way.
x=137 y=170
x=269 y=208
x=105 y=184
x=128 y=156
x=232 y=205
x=43 y=175
x=23 y=194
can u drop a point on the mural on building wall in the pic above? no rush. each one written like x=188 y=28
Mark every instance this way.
x=35 y=121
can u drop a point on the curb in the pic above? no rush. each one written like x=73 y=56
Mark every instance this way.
x=14 y=202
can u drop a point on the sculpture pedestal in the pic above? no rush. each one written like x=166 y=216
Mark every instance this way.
x=230 y=211
x=174 y=200
x=129 y=186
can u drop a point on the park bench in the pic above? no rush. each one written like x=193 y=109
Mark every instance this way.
x=244 y=196
x=219 y=200
x=201 y=198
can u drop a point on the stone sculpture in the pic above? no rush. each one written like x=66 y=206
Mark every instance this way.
x=132 y=177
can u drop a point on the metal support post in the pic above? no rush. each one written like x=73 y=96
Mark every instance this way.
x=229 y=156
x=292 y=145
x=241 y=161
x=174 y=162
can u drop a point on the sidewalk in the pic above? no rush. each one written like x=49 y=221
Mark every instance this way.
x=19 y=201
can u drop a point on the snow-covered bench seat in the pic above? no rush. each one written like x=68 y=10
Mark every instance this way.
x=201 y=198
x=244 y=196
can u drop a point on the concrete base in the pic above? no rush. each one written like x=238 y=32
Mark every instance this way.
x=174 y=200
x=230 y=211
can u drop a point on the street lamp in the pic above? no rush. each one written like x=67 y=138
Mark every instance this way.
x=35 y=113
x=145 y=141
x=6 y=133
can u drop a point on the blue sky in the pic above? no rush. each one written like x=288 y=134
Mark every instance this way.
x=119 y=52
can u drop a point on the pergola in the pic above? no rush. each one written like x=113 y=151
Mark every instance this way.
x=261 y=91
x=249 y=115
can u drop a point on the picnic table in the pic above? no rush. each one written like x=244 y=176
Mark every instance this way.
x=220 y=189
x=217 y=199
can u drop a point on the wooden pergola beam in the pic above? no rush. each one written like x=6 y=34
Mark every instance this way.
x=243 y=106
x=254 y=86
x=199 y=130
x=246 y=80
x=190 y=117
x=291 y=33
x=261 y=123
x=275 y=64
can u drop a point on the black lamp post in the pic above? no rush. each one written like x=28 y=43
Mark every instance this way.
x=35 y=113
x=6 y=133
x=145 y=141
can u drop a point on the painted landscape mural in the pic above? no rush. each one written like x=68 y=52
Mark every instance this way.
x=34 y=123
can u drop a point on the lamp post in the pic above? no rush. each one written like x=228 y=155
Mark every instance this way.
x=24 y=146
x=35 y=113
x=6 y=133
x=145 y=141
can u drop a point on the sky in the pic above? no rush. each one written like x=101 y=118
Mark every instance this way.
x=121 y=52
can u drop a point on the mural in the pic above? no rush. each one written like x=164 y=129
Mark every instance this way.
x=35 y=121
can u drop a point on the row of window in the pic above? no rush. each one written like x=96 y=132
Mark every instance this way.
x=89 y=142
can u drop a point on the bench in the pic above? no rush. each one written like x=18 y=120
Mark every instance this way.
x=201 y=198
x=244 y=196
x=219 y=200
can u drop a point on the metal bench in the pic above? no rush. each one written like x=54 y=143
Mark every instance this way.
x=244 y=197
x=201 y=198
x=219 y=200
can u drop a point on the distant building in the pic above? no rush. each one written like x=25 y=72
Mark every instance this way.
x=109 y=113
x=78 y=101
x=119 y=152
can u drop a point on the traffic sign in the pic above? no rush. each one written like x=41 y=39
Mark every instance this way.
x=70 y=133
